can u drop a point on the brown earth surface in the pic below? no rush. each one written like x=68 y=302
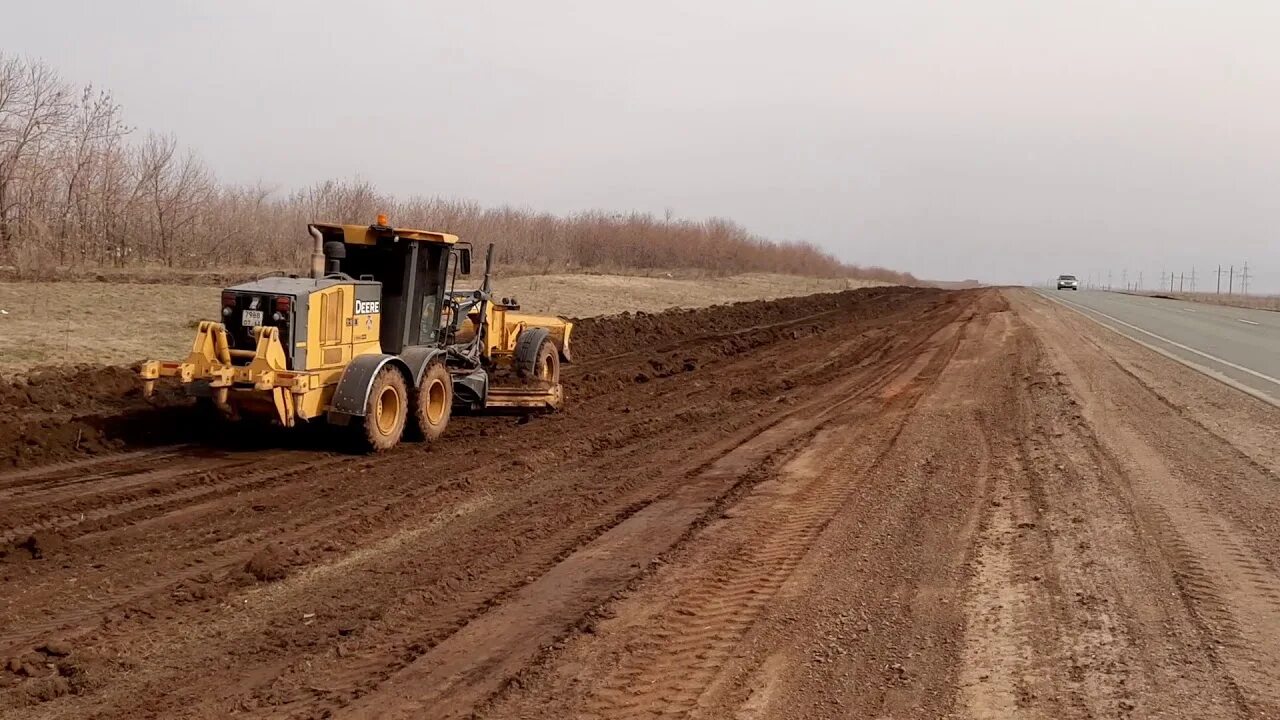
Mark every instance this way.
x=881 y=503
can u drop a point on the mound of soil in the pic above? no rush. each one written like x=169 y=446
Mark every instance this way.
x=41 y=545
x=57 y=414
x=73 y=388
x=613 y=352
x=599 y=337
x=269 y=563
x=62 y=413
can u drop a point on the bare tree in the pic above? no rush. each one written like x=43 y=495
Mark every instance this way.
x=94 y=127
x=74 y=189
x=34 y=104
x=178 y=190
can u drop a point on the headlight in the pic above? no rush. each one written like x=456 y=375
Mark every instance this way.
x=226 y=312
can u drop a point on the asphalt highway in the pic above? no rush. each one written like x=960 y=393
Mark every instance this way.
x=1238 y=346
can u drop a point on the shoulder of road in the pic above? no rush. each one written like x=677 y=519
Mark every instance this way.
x=1238 y=346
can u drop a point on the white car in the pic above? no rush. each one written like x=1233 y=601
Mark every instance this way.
x=1068 y=282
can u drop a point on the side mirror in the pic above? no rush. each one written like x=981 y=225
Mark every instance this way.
x=464 y=260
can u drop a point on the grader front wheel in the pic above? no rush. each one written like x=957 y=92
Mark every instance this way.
x=542 y=369
x=546 y=366
x=387 y=410
x=537 y=358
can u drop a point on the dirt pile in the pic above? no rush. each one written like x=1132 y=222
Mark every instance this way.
x=616 y=351
x=78 y=388
x=54 y=414
x=597 y=338
x=63 y=413
x=269 y=563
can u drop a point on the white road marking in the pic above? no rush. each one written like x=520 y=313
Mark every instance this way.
x=1247 y=322
x=1204 y=369
x=1177 y=344
x=1187 y=310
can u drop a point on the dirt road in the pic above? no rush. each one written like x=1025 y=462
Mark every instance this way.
x=884 y=503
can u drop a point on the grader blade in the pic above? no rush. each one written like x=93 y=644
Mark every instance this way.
x=525 y=398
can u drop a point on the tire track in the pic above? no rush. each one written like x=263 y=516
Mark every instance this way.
x=1005 y=659
x=1230 y=590
x=1227 y=588
x=702 y=629
x=73 y=470
x=133 y=487
x=392 y=595
x=153 y=494
x=454 y=695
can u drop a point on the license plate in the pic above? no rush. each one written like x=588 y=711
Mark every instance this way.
x=251 y=318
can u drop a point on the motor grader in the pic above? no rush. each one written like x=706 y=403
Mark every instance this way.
x=380 y=339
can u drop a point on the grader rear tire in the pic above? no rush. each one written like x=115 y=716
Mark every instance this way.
x=434 y=402
x=383 y=423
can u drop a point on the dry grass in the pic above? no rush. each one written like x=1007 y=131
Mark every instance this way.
x=1252 y=302
x=583 y=295
x=64 y=322
x=69 y=322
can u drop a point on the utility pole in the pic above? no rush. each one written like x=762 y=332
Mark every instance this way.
x=1231 y=279
x=1219 y=290
x=1193 y=278
x=1108 y=280
x=1244 y=280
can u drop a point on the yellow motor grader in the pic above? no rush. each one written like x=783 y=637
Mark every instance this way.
x=379 y=339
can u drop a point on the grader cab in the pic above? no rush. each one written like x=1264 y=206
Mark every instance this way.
x=381 y=339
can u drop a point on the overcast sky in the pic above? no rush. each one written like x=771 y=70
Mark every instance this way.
x=1004 y=140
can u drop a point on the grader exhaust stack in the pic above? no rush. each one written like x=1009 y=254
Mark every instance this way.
x=317 y=253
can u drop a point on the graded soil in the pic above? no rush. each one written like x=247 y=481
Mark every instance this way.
x=887 y=502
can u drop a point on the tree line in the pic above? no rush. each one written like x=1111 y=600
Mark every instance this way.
x=79 y=188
